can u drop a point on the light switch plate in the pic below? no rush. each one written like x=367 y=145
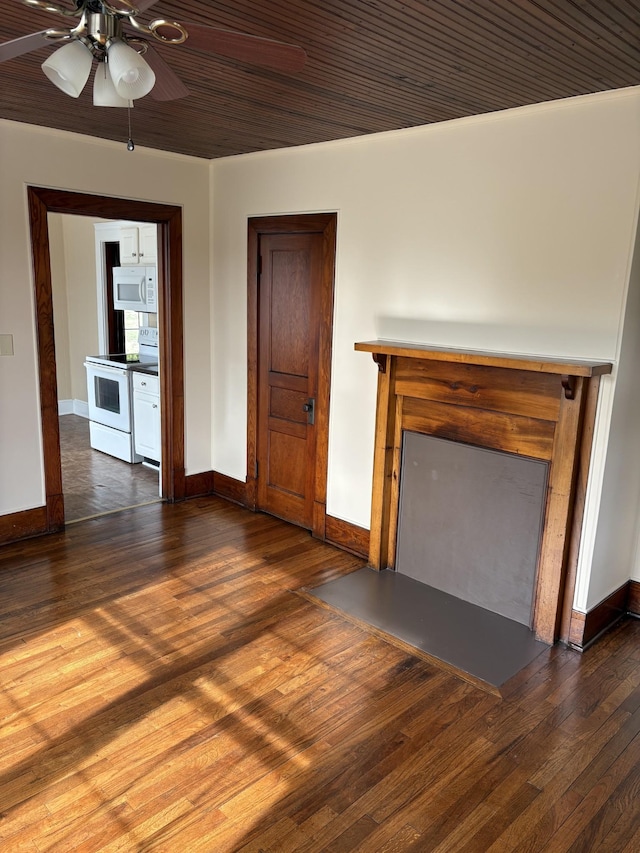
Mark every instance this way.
x=6 y=344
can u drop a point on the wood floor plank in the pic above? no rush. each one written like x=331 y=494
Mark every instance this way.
x=625 y=732
x=405 y=839
x=554 y=776
x=510 y=799
x=632 y=845
x=437 y=816
x=624 y=805
x=600 y=809
x=167 y=686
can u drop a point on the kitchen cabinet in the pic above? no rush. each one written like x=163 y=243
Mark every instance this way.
x=148 y=244
x=146 y=416
x=138 y=245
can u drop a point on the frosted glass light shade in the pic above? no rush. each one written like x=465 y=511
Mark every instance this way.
x=104 y=92
x=69 y=67
x=131 y=75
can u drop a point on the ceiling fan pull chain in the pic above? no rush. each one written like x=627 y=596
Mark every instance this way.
x=130 y=145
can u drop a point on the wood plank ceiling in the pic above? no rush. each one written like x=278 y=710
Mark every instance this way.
x=372 y=66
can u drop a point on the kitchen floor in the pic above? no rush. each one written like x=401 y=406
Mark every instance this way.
x=95 y=483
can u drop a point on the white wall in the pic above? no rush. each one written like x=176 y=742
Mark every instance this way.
x=507 y=232
x=34 y=156
x=75 y=280
x=615 y=550
x=60 y=307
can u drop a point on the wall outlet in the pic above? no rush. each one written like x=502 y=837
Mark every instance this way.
x=6 y=344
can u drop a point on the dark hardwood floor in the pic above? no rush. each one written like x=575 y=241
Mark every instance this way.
x=168 y=686
x=93 y=482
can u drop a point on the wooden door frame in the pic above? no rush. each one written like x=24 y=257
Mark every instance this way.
x=43 y=201
x=324 y=223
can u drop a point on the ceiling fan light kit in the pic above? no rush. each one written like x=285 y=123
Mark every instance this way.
x=69 y=67
x=129 y=71
x=104 y=92
x=122 y=76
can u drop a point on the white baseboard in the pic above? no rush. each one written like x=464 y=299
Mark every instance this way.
x=80 y=407
x=73 y=407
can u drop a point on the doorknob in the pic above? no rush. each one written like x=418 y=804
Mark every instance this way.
x=310 y=408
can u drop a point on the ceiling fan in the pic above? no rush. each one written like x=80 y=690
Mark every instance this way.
x=128 y=66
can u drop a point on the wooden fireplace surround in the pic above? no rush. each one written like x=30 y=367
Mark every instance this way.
x=540 y=408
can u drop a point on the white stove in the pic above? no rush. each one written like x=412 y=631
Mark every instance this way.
x=110 y=397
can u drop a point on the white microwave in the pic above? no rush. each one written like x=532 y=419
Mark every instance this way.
x=135 y=289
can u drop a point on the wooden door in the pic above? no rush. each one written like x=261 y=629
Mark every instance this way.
x=294 y=299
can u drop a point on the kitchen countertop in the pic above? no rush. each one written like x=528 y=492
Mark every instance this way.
x=151 y=369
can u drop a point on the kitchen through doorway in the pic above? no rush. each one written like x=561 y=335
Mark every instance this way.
x=102 y=470
x=43 y=202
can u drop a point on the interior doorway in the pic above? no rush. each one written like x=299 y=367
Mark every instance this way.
x=99 y=474
x=170 y=323
x=290 y=298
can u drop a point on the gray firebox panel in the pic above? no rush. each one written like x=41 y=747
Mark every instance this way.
x=470 y=522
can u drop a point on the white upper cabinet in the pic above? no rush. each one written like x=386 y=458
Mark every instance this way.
x=148 y=244
x=138 y=245
x=129 y=245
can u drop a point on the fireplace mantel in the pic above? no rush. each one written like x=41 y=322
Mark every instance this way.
x=539 y=407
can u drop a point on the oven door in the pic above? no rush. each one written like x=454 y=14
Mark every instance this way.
x=109 y=396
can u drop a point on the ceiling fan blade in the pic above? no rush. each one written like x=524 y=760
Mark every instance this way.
x=246 y=48
x=22 y=45
x=168 y=86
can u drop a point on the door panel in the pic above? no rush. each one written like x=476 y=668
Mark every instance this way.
x=287 y=261
x=287 y=462
x=290 y=282
x=287 y=404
